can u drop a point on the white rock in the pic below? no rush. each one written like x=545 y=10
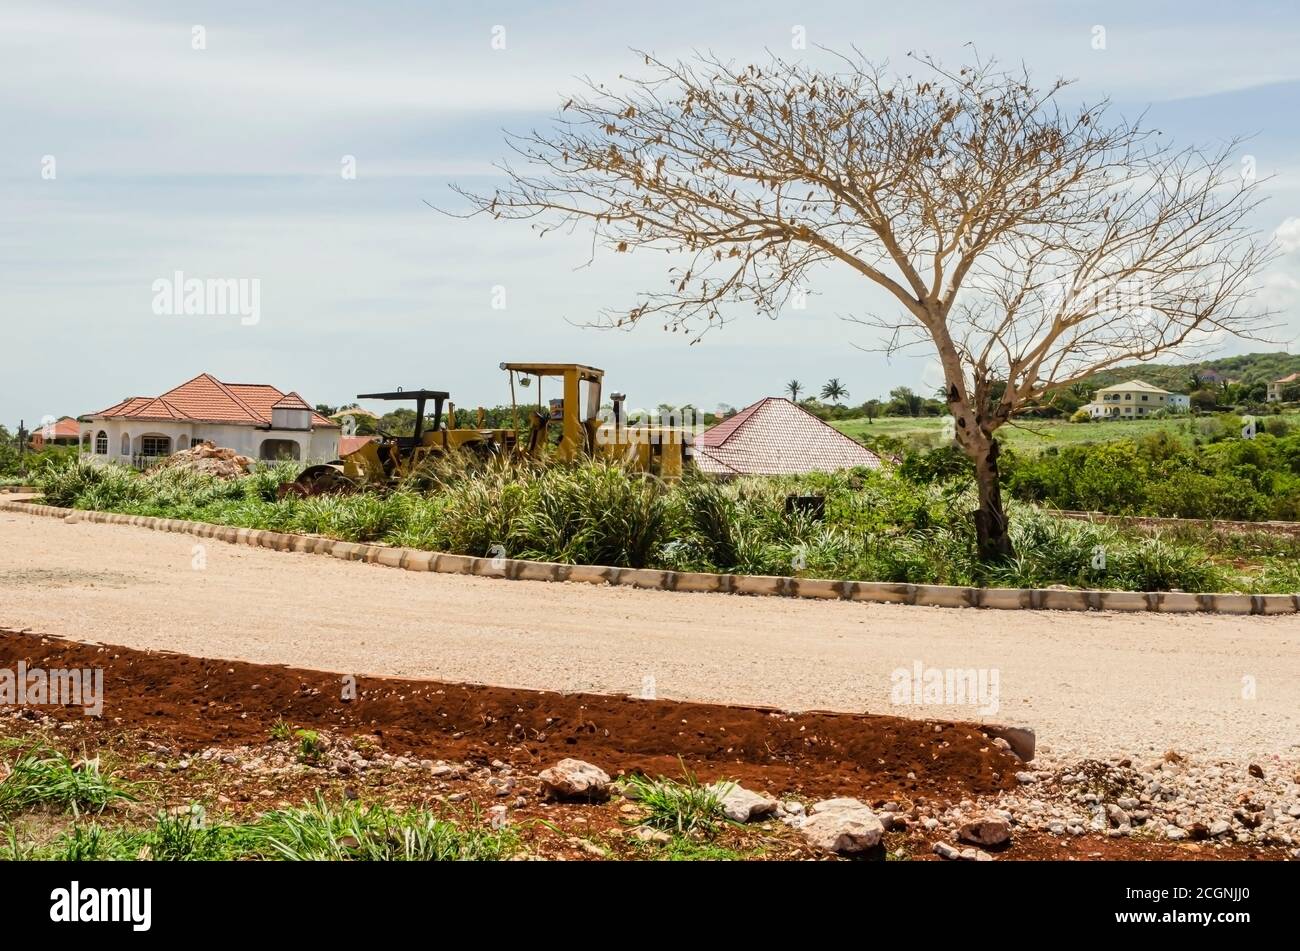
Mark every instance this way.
x=847 y=826
x=572 y=778
x=743 y=805
x=946 y=851
x=986 y=830
x=650 y=836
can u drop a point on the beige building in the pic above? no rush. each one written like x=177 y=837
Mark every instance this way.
x=1277 y=386
x=1133 y=399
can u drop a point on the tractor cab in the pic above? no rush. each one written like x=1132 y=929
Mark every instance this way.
x=573 y=416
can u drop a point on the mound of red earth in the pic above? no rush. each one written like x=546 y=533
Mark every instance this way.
x=198 y=702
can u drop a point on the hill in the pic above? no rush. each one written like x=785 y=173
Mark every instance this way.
x=1249 y=368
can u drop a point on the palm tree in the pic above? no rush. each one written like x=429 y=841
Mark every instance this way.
x=793 y=388
x=834 y=391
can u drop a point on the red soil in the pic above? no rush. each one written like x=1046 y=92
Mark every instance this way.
x=198 y=702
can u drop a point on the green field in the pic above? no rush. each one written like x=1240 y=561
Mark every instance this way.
x=1030 y=436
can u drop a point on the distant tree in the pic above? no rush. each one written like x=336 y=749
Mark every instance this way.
x=794 y=388
x=326 y=410
x=871 y=410
x=1205 y=399
x=903 y=402
x=834 y=391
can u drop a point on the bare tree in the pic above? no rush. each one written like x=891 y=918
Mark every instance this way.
x=1029 y=242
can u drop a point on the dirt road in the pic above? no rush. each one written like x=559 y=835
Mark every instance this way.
x=1090 y=684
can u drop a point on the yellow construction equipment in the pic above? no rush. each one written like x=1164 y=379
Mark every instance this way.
x=566 y=427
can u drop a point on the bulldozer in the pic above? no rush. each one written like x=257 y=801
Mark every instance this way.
x=566 y=427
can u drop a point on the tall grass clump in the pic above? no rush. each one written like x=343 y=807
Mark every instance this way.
x=46 y=779
x=321 y=832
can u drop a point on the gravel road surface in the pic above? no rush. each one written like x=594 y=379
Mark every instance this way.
x=1089 y=684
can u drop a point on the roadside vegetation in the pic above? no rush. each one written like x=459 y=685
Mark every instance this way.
x=911 y=526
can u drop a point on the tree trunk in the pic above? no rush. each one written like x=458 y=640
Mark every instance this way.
x=992 y=540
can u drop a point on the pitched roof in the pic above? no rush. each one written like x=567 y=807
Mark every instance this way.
x=65 y=428
x=291 y=401
x=206 y=399
x=1133 y=385
x=1289 y=379
x=777 y=437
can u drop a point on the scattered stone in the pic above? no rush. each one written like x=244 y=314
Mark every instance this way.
x=991 y=830
x=574 y=779
x=1021 y=739
x=846 y=826
x=498 y=817
x=743 y=805
x=946 y=851
x=650 y=836
x=1255 y=770
x=1220 y=827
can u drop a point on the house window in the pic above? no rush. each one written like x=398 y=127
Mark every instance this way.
x=155 y=446
x=195 y=441
x=125 y=448
x=101 y=443
x=1144 y=397
x=1128 y=396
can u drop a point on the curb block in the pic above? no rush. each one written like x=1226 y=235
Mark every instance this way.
x=875 y=592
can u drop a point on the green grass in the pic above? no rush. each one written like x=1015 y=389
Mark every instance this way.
x=315 y=832
x=1025 y=436
x=878 y=525
x=350 y=832
x=684 y=808
x=47 y=779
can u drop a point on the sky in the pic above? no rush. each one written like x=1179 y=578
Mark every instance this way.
x=139 y=140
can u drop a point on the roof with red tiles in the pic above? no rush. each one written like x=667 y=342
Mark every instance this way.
x=65 y=428
x=205 y=399
x=777 y=437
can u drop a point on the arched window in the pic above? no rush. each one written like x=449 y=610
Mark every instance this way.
x=273 y=449
x=101 y=443
x=126 y=445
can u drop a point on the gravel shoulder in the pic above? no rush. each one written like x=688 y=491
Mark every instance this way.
x=1217 y=687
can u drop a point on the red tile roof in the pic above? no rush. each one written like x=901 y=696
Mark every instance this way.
x=66 y=428
x=292 y=401
x=776 y=437
x=206 y=399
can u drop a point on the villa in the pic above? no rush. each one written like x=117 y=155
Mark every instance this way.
x=1134 y=399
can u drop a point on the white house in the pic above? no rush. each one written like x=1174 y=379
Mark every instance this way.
x=254 y=419
x=1134 y=399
